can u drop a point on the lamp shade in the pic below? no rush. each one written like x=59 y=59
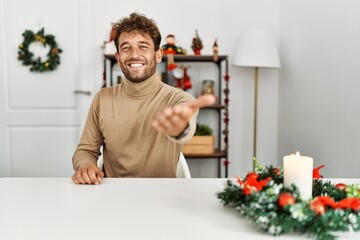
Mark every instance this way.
x=257 y=48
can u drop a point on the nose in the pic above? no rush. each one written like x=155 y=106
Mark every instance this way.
x=134 y=52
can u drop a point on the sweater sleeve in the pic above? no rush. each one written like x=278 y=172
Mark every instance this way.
x=183 y=98
x=88 y=149
x=190 y=134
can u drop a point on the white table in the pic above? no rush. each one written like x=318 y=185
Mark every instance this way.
x=171 y=209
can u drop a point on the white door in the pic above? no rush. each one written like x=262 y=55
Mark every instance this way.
x=41 y=118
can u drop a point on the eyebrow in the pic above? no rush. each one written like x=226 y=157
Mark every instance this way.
x=140 y=42
x=143 y=42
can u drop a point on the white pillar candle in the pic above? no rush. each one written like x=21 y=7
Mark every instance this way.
x=298 y=170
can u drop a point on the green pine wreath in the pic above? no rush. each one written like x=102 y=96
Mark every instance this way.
x=276 y=209
x=27 y=57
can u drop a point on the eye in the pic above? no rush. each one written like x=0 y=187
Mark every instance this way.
x=124 y=48
x=144 y=47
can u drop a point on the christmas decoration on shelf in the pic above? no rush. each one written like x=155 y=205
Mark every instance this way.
x=226 y=119
x=197 y=45
x=215 y=51
x=170 y=49
x=208 y=87
x=109 y=46
x=183 y=80
x=27 y=57
x=262 y=197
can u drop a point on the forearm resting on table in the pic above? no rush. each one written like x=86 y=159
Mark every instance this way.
x=83 y=158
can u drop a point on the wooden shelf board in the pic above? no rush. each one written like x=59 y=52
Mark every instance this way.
x=215 y=106
x=216 y=154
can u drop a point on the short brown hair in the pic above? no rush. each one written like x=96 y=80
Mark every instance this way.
x=137 y=22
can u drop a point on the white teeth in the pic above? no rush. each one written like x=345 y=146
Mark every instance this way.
x=136 y=65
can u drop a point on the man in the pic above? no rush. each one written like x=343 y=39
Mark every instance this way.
x=140 y=123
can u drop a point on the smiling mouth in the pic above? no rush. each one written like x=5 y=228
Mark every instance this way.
x=136 y=65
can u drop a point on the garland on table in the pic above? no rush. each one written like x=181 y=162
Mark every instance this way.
x=26 y=56
x=275 y=209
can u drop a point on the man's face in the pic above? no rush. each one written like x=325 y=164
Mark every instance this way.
x=137 y=57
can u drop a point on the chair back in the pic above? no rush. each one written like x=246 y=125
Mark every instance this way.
x=182 y=169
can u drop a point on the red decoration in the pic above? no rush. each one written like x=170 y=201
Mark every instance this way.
x=286 y=199
x=197 y=44
x=197 y=52
x=320 y=203
x=355 y=205
x=226 y=162
x=252 y=175
x=318 y=207
x=326 y=201
x=185 y=82
x=316 y=172
x=171 y=66
x=226 y=91
x=215 y=51
x=170 y=47
x=349 y=203
x=277 y=171
x=341 y=186
x=252 y=184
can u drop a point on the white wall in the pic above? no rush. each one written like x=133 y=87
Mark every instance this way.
x=235 y=18
x=319 y=110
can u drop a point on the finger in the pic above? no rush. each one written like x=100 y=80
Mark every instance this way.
x=73 y=178
x=203 y=101
x=178 y=120
x=92 y=176
x=85 y=176
x=78 y=177
x=100 y=175
x=163 y=121
x=165 y=126
x=184 y=112
x=155 y=124
x=167 y=112
x=160 y=129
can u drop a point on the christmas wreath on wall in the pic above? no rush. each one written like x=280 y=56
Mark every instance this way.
x=27 y=57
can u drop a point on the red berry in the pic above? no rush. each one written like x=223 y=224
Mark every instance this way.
x=318 y=207
x=286 y=199
x=341 y=186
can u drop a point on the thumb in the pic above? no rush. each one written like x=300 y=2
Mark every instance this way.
x=202 y=101
x=100 y=175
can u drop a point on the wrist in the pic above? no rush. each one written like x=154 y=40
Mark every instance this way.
x=183 y=133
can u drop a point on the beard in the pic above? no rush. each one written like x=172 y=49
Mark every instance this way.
x=139 y=75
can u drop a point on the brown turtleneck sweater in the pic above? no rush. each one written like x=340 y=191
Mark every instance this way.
x=120 y=119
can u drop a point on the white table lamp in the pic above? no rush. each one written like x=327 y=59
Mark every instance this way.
x=257 y=48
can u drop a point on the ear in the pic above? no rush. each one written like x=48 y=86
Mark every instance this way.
x=117 y=57
x=159 y=53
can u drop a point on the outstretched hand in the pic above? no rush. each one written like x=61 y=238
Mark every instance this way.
x=173 y=121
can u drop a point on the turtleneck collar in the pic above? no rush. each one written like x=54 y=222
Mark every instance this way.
x=143 y=88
